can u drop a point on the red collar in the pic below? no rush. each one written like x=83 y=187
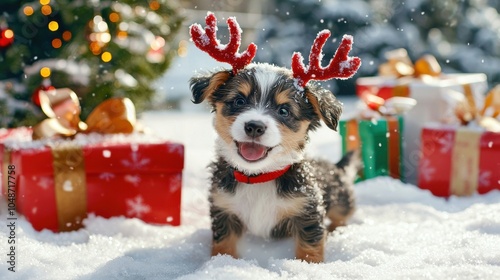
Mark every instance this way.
x=260 y=178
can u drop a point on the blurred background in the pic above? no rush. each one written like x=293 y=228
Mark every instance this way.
x=141 y=49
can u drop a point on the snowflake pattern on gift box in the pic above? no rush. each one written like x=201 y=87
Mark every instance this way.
x=446 y=143
x=485 y=178
x=135 y=162
x=133 y=179
x=106 y=176
x=136 y=207
x=427 y=170
x=175 y=148
x=175 y=183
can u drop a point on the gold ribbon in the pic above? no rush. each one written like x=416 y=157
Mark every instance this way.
x=62 y=107
x=465 y=163
x=115 y=115
x=5 y=170
x=399 y=64
x=466 y=110
x=70 y=186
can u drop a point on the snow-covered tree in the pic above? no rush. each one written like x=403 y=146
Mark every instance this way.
x=463 y=35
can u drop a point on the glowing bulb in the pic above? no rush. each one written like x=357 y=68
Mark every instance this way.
x=56 y=43
x=106 y=56
x=46 y=10
x=114 y=17
x=53 y=26
x=45 y=72
x=44 y=2
x=154 y=5
x=28 y=10
x=121 y=35
x=8 y=33
x=66 y=35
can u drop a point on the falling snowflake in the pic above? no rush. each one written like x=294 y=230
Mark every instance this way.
x=136 y=207
x=133 y=179
x=135 y=162
x=485 y=178
x=106 y=176
x=68 y=186
x=44 y=182
x=175 y=183
x=446 y=142
x=426 y=170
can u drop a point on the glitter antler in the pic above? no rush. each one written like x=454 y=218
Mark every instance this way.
x=206 y=41
x=341 y=66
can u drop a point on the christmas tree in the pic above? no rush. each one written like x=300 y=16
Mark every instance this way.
x=99 y=49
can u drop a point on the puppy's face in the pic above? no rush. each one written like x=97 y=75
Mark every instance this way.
x=261 y=118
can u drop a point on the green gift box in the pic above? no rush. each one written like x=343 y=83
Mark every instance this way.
x=380 y=143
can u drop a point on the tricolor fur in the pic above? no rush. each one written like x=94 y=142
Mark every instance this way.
x=262 y=119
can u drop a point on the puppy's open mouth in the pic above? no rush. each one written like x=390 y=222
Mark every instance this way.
x=252 y=151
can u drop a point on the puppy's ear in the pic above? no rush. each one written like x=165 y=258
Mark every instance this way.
x=326 y=106
x=203 y=87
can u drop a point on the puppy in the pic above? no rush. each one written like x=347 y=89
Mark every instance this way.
x=262 y=123
x=261 y=181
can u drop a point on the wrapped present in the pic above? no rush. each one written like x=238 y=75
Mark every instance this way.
x=463 y=160
x=377 y=132
x=459 y=161
x=10 y=134
x=436 y=96
x=379 y=142
x=71 y=170
x=58 y=185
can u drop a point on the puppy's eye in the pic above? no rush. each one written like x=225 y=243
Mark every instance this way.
x=284 y=112
x=239 y=102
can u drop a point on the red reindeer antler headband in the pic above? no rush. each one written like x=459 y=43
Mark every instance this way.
x=341 y=66
x=206 y=41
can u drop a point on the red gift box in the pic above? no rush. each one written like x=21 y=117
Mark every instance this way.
x=9 y=134
x=459 y=161
x=57 y=186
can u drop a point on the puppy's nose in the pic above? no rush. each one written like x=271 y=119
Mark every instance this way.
x=255 y=128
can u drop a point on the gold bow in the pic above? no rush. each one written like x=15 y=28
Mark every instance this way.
x=487 y=116
x=62 y=107
x=399 y=64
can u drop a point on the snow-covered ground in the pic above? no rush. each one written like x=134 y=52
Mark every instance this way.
x=398 y=232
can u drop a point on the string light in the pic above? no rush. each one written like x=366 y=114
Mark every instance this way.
x=46 y=10
x=56 y=43
x=28 y=10
x=122 y=34
x=114 y=17
x=8 y=33
x=106 y=56
x=95 y=48
x=53 y=26
x=154 y=5
x=66 y=35
x=99 y=36
x=44 y=2
x=158 y=43
x=45 y=72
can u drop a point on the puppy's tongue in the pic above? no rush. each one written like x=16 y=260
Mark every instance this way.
x=252 y=151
